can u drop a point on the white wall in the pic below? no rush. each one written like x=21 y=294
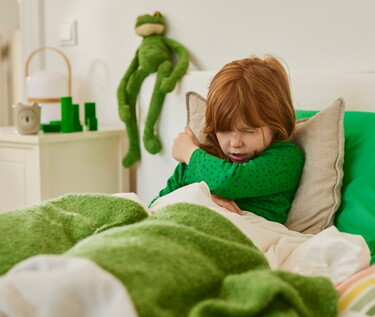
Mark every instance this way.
x=9 y=20
x=308 y=35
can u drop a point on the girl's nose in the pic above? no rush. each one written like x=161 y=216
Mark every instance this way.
x=236 y=139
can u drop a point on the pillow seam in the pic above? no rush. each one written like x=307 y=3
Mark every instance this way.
x=339 y=159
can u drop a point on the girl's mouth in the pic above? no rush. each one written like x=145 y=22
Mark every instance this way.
x=238 y=158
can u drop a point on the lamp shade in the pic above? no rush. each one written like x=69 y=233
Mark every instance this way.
x=46 y=87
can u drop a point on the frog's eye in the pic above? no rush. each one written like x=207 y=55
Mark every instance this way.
x=157 y=14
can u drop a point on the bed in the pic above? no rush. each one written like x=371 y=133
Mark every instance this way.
x=90 y=254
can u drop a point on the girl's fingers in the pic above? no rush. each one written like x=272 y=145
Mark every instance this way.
x=237 y=209
x=229 y=205
x=234 y=208
x=189 y=131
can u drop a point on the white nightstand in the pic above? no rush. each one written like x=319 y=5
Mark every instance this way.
x=39 y=167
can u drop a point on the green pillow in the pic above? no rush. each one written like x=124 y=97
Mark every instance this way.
x=301 y=114
x=357 y=210
x=356 y=213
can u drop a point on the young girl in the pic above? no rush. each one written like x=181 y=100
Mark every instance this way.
x=247 y=160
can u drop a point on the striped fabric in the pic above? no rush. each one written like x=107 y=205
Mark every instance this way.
x=357 y=294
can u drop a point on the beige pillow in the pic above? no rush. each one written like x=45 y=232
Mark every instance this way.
x=318 y=197
x=321 y=138
x=196 y=113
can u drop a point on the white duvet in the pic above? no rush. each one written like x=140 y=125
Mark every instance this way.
x=55 y=286
x=330 y=253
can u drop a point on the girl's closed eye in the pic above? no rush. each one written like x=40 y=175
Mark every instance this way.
x=250 y=131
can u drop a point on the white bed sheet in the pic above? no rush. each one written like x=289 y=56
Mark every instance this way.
x=60 y=286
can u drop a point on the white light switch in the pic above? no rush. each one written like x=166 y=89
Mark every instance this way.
x=67 y=32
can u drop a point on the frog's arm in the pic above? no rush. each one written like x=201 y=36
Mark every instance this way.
x=121 y=90
x=181 y=67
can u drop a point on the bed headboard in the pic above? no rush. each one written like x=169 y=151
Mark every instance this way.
x=310 y=90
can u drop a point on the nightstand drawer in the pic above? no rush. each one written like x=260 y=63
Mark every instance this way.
x=9 y=154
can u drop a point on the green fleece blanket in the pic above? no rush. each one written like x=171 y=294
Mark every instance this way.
x=186 y=260
x=54 y=226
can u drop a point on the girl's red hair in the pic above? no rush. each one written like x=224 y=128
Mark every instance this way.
x=253 y=89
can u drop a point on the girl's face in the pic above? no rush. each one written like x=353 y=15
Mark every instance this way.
x=244 y=143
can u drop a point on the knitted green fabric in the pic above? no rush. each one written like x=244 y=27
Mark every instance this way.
x=187 y=260
x=270 y=293
x=184 y=260
x=56 y=225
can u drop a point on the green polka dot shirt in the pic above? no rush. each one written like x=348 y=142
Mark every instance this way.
x=265 y=185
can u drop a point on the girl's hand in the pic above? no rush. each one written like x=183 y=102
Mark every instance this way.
x=184 y=145
x=228 y=204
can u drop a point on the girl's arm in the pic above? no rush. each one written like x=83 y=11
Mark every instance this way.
x=275 y=170
x=184 y=145
x=176 y=181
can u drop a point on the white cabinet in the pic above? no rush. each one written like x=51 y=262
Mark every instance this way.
x=39 y=167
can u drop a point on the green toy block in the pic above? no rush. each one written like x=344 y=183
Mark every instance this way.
x=53 y=126
x=90 y=116
x=67 y=116
x=76 y=122
x=89 y=111
x=92 y=123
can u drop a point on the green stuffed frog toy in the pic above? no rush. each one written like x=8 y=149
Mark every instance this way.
x=154 y=55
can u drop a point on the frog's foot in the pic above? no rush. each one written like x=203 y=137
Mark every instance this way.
x=133 y=156
x=152 y=143
x=125 y=113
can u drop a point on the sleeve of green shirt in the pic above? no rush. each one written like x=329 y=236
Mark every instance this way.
x=176 y=181
x=276 y=169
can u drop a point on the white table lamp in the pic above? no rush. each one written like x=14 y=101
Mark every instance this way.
x=46 y=87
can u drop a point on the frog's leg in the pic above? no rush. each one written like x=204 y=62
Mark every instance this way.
x=150 y=140
x=123 y=107
x=134 y=152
